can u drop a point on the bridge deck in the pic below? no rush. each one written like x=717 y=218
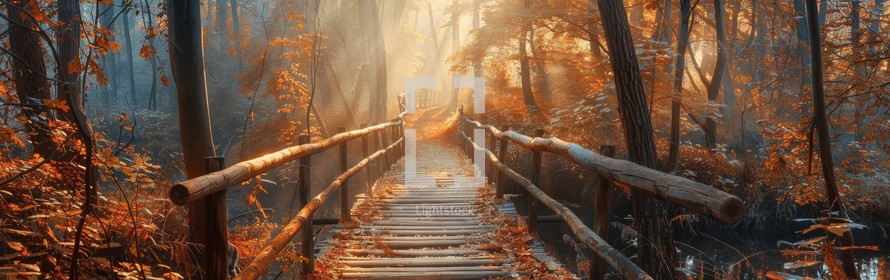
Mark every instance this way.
x=443 y=225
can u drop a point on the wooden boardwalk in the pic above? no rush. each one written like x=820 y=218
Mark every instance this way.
x=433 y=226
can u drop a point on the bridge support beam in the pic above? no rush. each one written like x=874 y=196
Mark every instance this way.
x=216 y=243
x=603 y=213
x=536 y=178
x=365 y=154
x=344 y=190
x=307 y=247
x=502 y=154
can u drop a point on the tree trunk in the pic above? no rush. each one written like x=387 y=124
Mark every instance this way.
x=333 y=86
x=153 y=95
x=680 y=64
x=222 y=18
x=477 y=64
x=455 y=45
x=802 y=42
x=377 y=61
x=656 y=248
x=106 y=20
x=591 y=30
x=397 y=13
x=525 y=72
x=128 y=47
x=29 y=71
x=716 y=82
x=187 y=62
x=236 y=30
x=546 y=89
x=70 y=90
x=835 y=204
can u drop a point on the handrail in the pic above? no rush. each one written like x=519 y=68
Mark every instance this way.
x=199 y=187
x=677 y=190
x=613 y=257
x=261 y=262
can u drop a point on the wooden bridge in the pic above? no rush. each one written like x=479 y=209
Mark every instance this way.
x=439 y=220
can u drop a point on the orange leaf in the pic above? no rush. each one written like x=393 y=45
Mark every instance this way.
x=147 y=51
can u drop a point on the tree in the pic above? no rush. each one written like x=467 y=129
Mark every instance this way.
x=658 y=256
x=525 y=72
x=377 y=60
x=680 y=65
x=29 y=74
x=70 y=90
x=187 y=62
x=106 y=20
x=835 y=204
x=128 y=47
x=802 y=42
x=710 y=126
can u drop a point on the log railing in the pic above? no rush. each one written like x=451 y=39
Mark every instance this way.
x=691 y=195
x=215 y=184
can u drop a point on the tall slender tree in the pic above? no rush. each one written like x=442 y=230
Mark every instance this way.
x=656 y=247
x=377 y=60
x=29 y=72
x=109 y=60
x=128 y=47
x=524 y=69
x=710 y=126
x=680 y=65
x=187 y=62
x=820 y=118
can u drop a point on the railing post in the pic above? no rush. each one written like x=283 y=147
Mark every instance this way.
x=308 y=248
x=344 y=188
x=468 y=131
x=603 y=212
x=377 y=146
x=216 y=252
x=394 y=136
x=384 y=142
x=366 y=154
x=489 y=165
x=460 y=128
x=536 y=176
x=502 y=157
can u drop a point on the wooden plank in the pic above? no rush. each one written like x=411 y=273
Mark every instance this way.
x=451 y=275
x=422 y=262
x=417 y=252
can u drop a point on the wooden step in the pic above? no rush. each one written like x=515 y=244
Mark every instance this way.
x=417 y=252
x=431 y=273
x=422 y=262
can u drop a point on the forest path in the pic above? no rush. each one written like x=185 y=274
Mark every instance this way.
x=440 y=224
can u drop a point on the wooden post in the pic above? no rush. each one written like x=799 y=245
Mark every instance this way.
x=394 y=136
x=460 y=128
x=502 y=157
x=366 y=154
x=308 y=248
x=344 y=188
x=491 y=146
x=216 y=244
x=603 y=214
x=377 y=146
x=384 y=142
x=536 y=176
